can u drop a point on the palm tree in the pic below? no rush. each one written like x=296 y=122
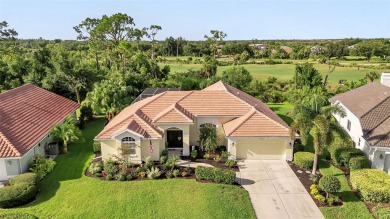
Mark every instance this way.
x=311 y=116
x=372 y=75
x=67 y=132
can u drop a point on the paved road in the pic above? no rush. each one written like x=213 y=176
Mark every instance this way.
x=275 y=190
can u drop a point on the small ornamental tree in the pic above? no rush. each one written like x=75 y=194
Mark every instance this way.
x=67 y=132
x=329 y=184
x=208 y=138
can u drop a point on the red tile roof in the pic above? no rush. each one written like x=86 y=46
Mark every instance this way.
x=27 y=114
x=218 y=99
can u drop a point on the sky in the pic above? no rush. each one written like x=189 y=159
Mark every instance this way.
x=240 y=20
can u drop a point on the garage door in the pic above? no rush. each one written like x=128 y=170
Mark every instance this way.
x=254 y=149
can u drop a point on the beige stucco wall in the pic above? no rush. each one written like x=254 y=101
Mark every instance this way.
x=3 y=170
x=186 y=135
x=108 y=148
x=145 y=149
x=261 y=148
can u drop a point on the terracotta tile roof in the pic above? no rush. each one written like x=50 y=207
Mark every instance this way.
x=255 y=124
x=218 y=99
x=27 y=114
x=174 y=114
x=371 y=104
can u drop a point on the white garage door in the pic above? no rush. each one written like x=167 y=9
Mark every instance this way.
x=255 y=148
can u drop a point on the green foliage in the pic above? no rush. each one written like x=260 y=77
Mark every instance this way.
x=381 y=212
x=29 y=178
x=237 y=76
x=95 y=167
x=163 y=159
x=121 y=176
x=215 y=174
x=175 y=173
x=173 y=160
x=206 y=155
x=230 y=163
x=16 y=215
x=168 y=174
x=320 y=198
x=194 y=154
x=360 y=162
x=67 y=132
x=373 y=185
x=17 y=195
x=42 y=166
x=148 y=162
x=164 y=153
x=307 y=75
x=86 y=111
x=97 y=147
x=343 y=155
x=315 y=178
x=304 y=159
x=153 y=173
x=208 y=137
x=314 y=190
x=330 y=201
x=225 y=154
x=217 y=158
x=329 y=184
x=110 y=168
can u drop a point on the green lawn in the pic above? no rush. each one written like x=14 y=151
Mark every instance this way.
x=284 y=71
x=352 y=207
x=67 y=193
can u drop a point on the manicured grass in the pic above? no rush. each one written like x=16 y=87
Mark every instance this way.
x=284 y=71
x=283 y=110
x=352 y=207
x=68 y=193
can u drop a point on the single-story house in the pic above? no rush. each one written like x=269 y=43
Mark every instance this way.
x=27 y=114
x=367 y=121
x=171 y=120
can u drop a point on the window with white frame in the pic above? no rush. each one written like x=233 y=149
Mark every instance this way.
x=129 y=144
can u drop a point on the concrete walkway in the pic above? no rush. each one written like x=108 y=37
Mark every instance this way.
x=275 y=190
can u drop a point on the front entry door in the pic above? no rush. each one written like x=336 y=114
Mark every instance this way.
x=175 y=138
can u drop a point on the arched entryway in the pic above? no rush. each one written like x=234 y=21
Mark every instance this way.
x=174 y=138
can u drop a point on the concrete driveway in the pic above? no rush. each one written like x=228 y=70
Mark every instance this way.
x=275 y=191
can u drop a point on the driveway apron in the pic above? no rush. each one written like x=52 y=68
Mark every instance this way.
x=275 y=191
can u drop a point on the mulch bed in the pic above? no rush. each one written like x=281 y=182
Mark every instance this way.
x=304 y=177
x=212 y=162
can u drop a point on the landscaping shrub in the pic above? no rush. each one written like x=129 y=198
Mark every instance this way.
x=97 y=147
x=121 y=176
x=148 y=162
x=230 y=163
x=164 y=153
x=329 y=184
x=304 y=159
x=163 y=159
x=96 y=167
x=194 y=154
x=206 y=155
x=86 y=112
x=225 y=154
x=16 y=215
x=217 y=158
x=17 y=195
x=381 y=212
x=184 y=173
x=42 y=166
x=110 y=168
x=361 y=162
x=314 y=190
x=343 y=155
x=29 y=178
x=175 y=173
x=320 y=198
x=153 y=173
x=372 y=184
x=168 y=174
x=315 y=178
x=215 y=174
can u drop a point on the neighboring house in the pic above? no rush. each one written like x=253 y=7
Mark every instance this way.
x=258 y=46
x=27 y=114
x=368 y=121
x=171 y=120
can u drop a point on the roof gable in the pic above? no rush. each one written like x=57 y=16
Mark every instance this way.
x=174 y=114
x=27 y=114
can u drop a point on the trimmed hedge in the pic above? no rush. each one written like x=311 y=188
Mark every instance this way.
x=15 y=215
x=23 y=189
x=29 y=178
x=361 y=162
x=329 y=184
x=373 y=185
x=215 y=174
x=342 y=155
x=304 y=159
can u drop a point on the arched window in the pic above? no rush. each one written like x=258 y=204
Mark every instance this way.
x=129 y=143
